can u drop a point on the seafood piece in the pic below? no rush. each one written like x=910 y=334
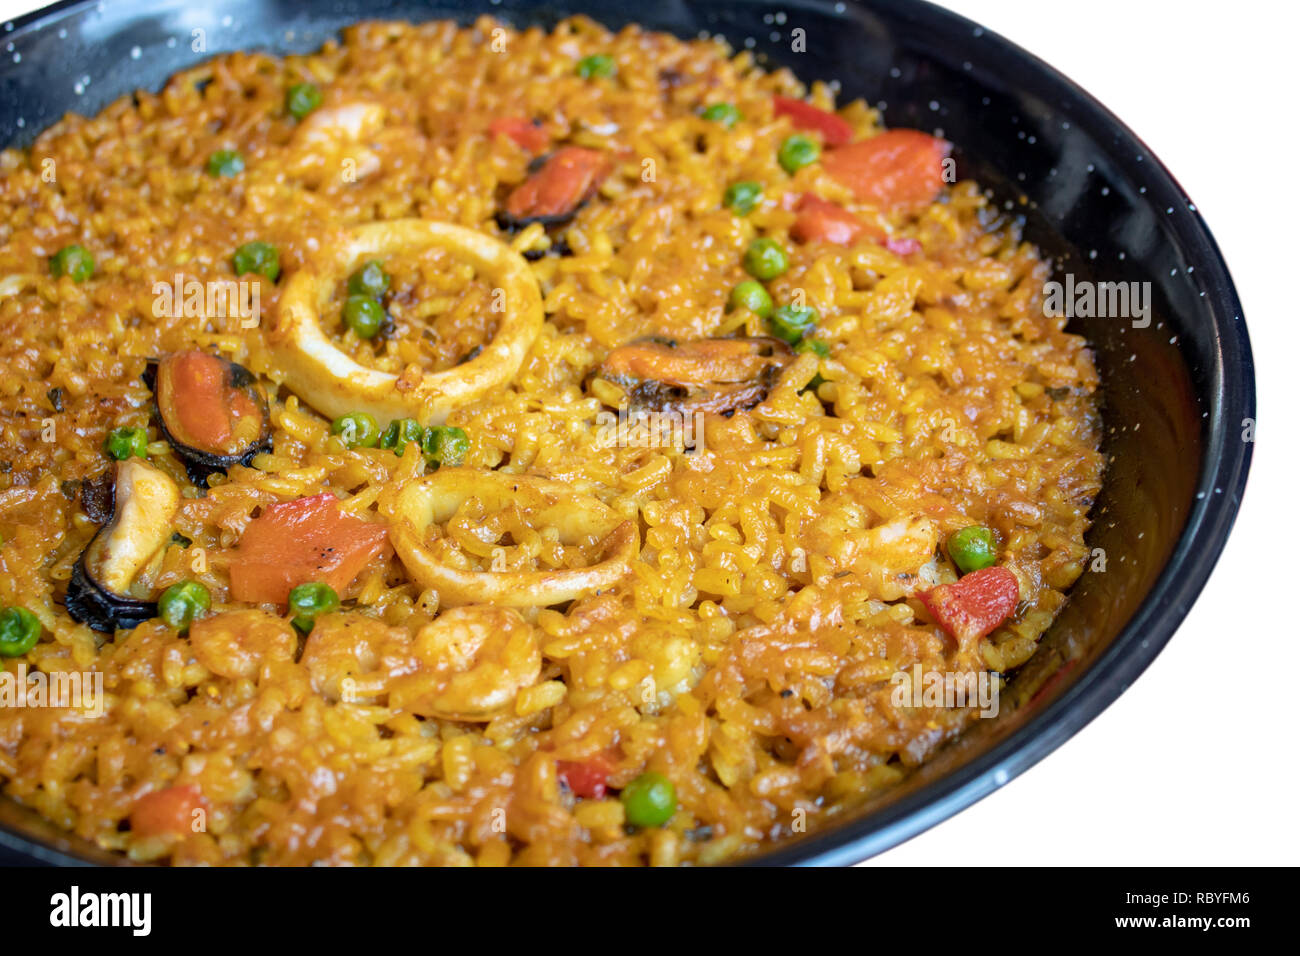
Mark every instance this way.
x=472 y=663
x=334 y=133
x=557 y=189
x=99 y=591
x=210 y=410
x=707 y=375
x=335 y=385
x=577 y=518
x=888 y=557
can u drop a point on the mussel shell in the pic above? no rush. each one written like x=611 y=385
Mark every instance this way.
x=89 y=603
x=559 y=248
x=513 y=224
x=723 y=399
x=200 y=464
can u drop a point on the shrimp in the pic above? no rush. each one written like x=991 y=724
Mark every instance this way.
x=353 y=659
x=241 y=644
x=473 y=660
x=336 y=132
x=890 y=557
x=467 y=664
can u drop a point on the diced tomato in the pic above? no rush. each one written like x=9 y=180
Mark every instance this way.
x=901 y=167
x=974 y=605
x=527 y=133
x=903 y=247
x=295 y=542
x=168 y=811
x=822 y=221
x=586 y=778
x=568 y=178
x=805 y=116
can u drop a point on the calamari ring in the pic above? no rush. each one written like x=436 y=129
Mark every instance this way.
x=332 y=383
x=434 y=498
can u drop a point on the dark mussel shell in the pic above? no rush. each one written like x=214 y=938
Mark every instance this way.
x=90 y=599
x=89 y=603
x=200 y=463
x=718 y=397
x=513 y=224
x=559 y=247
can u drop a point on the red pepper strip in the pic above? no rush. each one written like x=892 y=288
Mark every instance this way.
x=295 y=542
x=586 y=778
x=168 y=811
x=527 y=133
x=822 y=221
x=973 y=606
x=569 y=177
x=805 y=116
x=901 y=167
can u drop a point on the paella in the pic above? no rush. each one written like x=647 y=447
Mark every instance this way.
x=471 y=445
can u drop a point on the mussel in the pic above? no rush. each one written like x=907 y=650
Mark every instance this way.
x=210 y=410
x=559 y=184
x=706 y=375
x=99 y=591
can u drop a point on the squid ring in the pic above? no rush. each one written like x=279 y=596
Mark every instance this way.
x=434 y=498
x=334 y=384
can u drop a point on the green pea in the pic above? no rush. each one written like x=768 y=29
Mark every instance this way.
x=973 y=548
x=650 y=800
x=816 y=346
x=742 y=197
x=723 y=113
x=598 y=64
x=309 y=601
x=20 y=630
x=301 y=99
x=750 y=295
x=357 y=429
x=765 y=259
x=225 y=162
x=122 y=443
x=74 y=262
x=446 y=445
x=259 y=257
x=398 y=433
x=364 y=316
x=370 y=279
x=791 y=323
x=181 y=603
x=797 y=152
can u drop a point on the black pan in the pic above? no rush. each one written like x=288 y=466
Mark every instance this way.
x=1092 y=196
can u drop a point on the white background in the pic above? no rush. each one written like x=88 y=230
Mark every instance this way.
x=1196 y=763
